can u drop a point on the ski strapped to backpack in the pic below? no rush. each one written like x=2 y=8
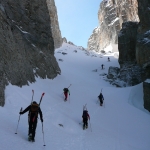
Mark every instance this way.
x=32 y=96
x=41 y=98
x=101 y=90
x=85 y=115
x=35 y=107
x=84 y=107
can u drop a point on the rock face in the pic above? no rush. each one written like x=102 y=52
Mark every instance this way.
x=71 y=43
x=127 y=43
x=26 y=43
x=111 y=15
x=54 y=23
x=146 y=91
x=134 y=41
x=134 y=44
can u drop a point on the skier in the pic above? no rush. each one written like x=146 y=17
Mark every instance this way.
x=33 y=109
x=66 y=92
x=108 y=59
x=101 y=98
x=85 y=117
x=102 y=66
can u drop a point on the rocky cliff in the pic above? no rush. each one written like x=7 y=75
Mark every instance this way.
x=26 y=43
x=111 y=15
x=134 y=48
x=54 y=23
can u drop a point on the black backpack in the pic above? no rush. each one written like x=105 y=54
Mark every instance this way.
x=34 y=108
x=85 y=114
x=65 y=90
x=100 y=96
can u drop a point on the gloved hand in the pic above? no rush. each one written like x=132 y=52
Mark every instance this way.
x=69 y=94
x=21 y=113
x=42 y=120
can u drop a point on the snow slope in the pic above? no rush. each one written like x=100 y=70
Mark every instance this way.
x=121 y=124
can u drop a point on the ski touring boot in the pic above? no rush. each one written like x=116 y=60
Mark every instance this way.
x=30 y=137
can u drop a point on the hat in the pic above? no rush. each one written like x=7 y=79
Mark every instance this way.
x=34 y=102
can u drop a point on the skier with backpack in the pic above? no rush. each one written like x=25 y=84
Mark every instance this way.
x=66 y=92
x=101 y=99
x=85 y=117
x=33 y=109
x=102 y=66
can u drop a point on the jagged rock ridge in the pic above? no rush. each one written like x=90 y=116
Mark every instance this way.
x=111 y=15
x=26 y=43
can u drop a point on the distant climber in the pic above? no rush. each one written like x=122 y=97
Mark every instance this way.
x=85 y=117
x=101 y=99
x=66 y=92
x=102 y=66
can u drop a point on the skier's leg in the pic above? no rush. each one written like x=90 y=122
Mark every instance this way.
x=30 y=128
x=86 y=123
x=65 y=96
x=101 y=102
x=33 y=129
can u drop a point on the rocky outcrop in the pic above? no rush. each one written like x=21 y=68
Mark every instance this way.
x=71 y=43
x=146 y=91
x=64 y=40
x=133 y=45
x=111 y=15
x=54 y=23
x=26 y=43
x=134 y=42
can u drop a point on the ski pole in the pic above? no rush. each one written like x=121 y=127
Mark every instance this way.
x=90 y=125
x=43 y=135
x=32 y=96
x=18 y=121
x=69 y=98
x=104 y=103
x=97 y=101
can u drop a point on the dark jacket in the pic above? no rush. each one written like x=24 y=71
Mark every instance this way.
x=33 y=114
x=101 y=96
x=87 y=116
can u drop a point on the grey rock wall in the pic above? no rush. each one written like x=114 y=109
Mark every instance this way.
x=146 y=91
x=127 y=43
x=26 y=43
x=54 y=23
x=111 y=15
x=134 y=48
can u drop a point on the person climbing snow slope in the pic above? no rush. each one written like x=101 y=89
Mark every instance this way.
x=33 y=109
x=85 y=117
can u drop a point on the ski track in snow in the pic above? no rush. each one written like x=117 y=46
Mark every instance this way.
x=120 y=124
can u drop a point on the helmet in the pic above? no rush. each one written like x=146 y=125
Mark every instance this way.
x=34 y=102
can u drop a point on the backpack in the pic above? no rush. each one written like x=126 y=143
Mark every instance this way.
x=85 y=114
x=34 y=108
x=100 y=96
x=65 y=90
